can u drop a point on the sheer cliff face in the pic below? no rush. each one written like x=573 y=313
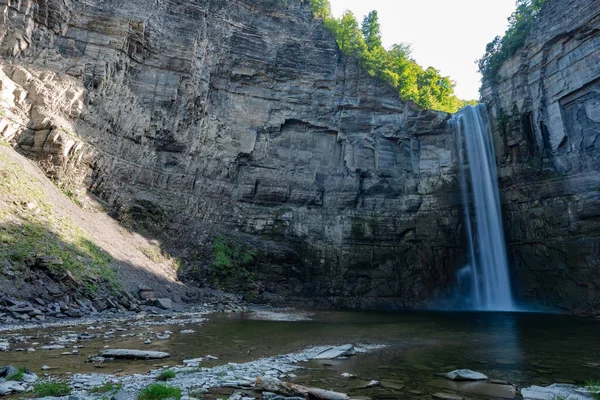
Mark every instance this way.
x=242 y=119
x=546 y=106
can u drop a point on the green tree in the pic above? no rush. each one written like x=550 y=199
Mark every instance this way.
x=502 y=48
x=349 y=36
x=321 y=8
x=371 y=31
x=427 y=88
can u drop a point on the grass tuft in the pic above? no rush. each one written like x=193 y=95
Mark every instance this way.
x=106 y=388
x=54 y=389
x=594 y=388
x=159 y=392
x=17 y=376
x=166 y=375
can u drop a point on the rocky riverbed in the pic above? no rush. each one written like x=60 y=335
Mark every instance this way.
x=362 y=355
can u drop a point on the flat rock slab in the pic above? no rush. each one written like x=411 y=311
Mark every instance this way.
x=446 y=396
x=505 y=391
x=466 y=375
x=133 y=354
x=556 y=391
x=9 y=387
x=335 y=352
x=165 y=304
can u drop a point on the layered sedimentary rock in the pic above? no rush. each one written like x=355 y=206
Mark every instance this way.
x=240 y=119
x=546 y=111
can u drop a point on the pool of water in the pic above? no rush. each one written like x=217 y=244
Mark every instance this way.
x=520 y=348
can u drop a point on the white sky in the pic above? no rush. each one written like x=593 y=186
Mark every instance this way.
x=446 y=34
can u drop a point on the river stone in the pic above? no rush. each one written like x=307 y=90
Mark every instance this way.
x=133 y=354
x=446 y=396
x=274 y=396
x=163 y=303
x=481 y=388
x=123 y=395
x=8 y=371
x=52 y=347
x=556 y=391
x=335 y=352
x=29 y=378
x=9 y=387
x=194 y=362
x=465 y=375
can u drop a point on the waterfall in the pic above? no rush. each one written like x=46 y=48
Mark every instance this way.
x=484 y=283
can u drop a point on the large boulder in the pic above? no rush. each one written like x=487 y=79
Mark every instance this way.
x=133 y=354
x=465 y=375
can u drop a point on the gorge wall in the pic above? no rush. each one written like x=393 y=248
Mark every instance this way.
x=545 y=107
x=239 y=119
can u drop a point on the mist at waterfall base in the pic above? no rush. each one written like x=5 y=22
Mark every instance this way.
x=484 y=283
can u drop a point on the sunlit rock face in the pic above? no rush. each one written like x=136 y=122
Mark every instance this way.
x=546 y=114
x=242 y=119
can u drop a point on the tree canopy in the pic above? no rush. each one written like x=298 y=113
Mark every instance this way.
x=502 y=48
x=426 y=87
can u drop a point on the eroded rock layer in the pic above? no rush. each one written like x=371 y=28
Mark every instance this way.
x=239 y=119
x=546 y=111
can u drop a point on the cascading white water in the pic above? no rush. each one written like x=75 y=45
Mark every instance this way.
x=487 y=285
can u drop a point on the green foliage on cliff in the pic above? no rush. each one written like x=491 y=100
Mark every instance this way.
x=231 y=263
x=502 y=48
x=426 y=87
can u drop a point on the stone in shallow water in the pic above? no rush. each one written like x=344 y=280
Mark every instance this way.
x=478 y=388
x=392 y=385
x=465 y=375
x=335 y=352
x=555 y=391
x=133 y=354
x=446 y=396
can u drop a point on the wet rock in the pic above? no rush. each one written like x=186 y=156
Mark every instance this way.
x=133 y=354
x=482 y=388
x=187 y=331
x=52 y=347
x=373 y=384
x=164 y=303
x=275 y=385
x=465 y=375
x=194 y=362
x=556 y=391
x=4 y=346
x=335 y=352
x=446 y=396
x=392 y=385
x=347 y=375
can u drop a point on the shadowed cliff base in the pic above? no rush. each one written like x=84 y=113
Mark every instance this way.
x=52 y=250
